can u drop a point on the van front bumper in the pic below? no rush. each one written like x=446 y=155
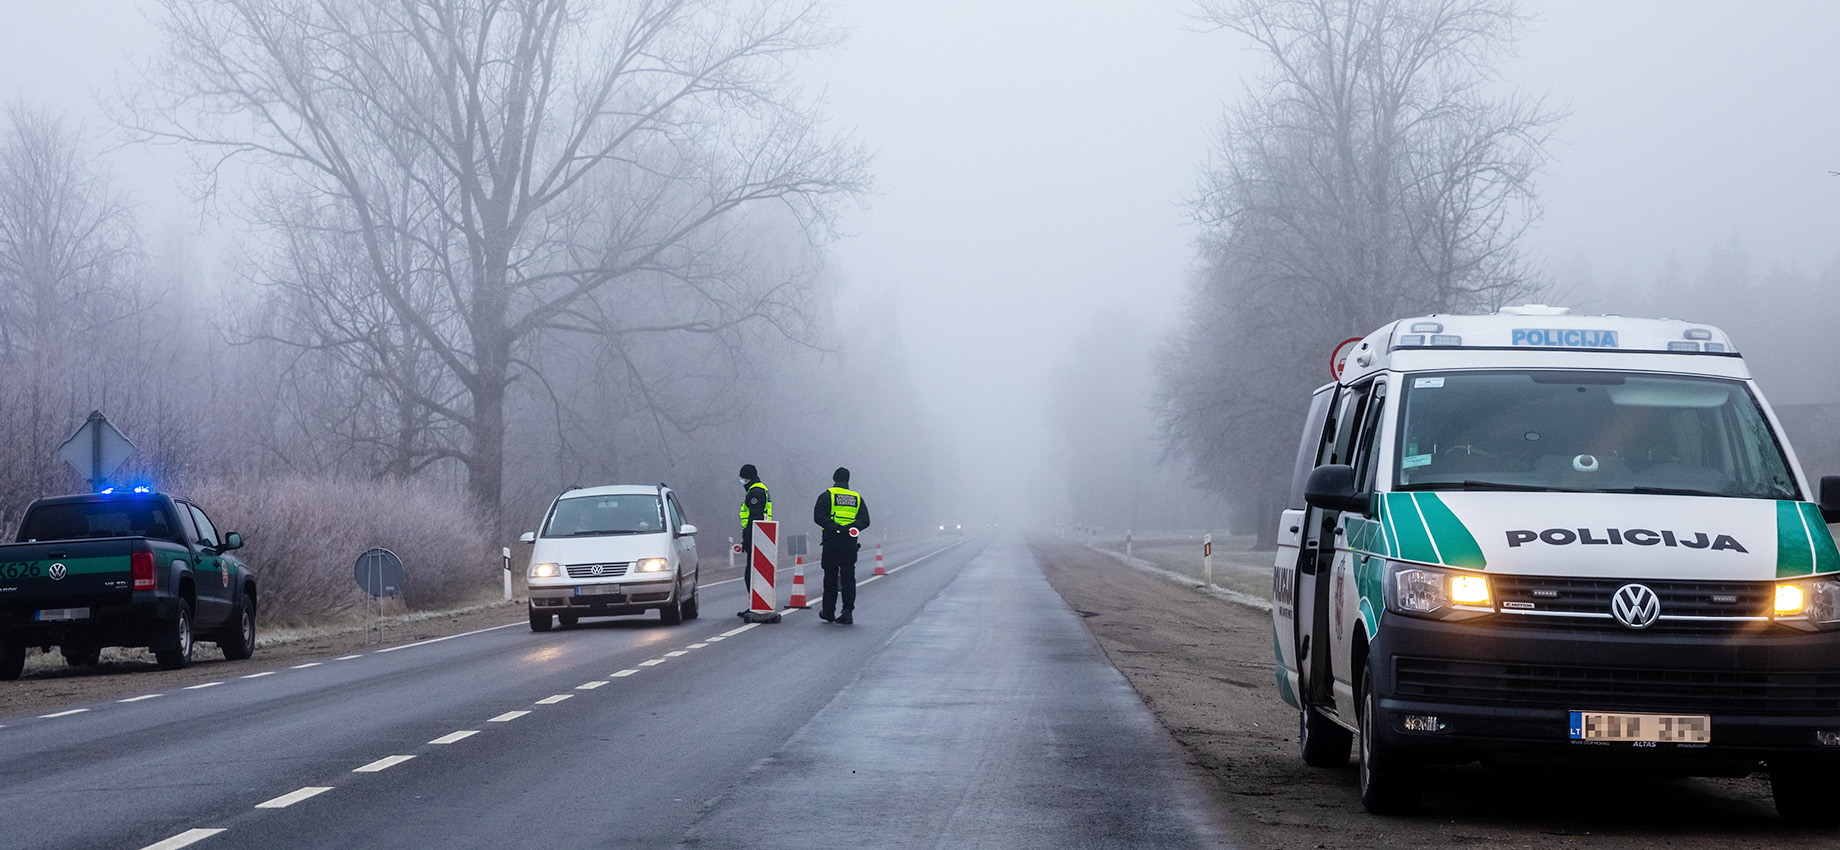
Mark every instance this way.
x=1507 y=693
x=603 y=600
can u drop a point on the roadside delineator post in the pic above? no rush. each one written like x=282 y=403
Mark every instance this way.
x=1207 y=560
x=878 y=561
x=763 y=605
x=798 y=584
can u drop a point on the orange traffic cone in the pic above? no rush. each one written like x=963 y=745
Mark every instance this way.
x=798 y=584
x=878 y=561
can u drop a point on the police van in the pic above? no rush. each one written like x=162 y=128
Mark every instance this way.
x=1537 y=537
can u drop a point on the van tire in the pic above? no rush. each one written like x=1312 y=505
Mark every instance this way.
x=690 y=606
x=1323 y=742
x=12 y=658
x=1805 y=795
x=672 y=614
x=540 y=621
x=1390 y=781
x=180 y=637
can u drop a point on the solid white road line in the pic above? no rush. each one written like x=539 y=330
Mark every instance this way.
x=139 y=698
x=626 y=672
x=292 y=797
x=205 y=685
x=589 y=686
x=259 y=675
x=306 y=665
x=183 y=839
x=555 y=699
x=455 y=737
x=451 y=637
x=382 y=764
x=63 y=713
x=508 y=716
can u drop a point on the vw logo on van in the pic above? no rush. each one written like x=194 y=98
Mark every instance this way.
x=1635 y=606
x=598 y=569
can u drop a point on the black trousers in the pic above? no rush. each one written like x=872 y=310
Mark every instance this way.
x=839 y=563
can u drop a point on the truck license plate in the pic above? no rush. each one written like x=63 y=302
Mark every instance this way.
x=1656 y=728
x=598 y=590
x=54 y=614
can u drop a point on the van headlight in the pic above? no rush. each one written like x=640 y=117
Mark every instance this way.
x=651 y=565
x=545 y=570
x=1438 y=593
x=1808 y=604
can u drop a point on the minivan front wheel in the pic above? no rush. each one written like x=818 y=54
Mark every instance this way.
x=1389 y=778
x=540 y=621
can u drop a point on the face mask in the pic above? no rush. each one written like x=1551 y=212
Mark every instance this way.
x=743 y=481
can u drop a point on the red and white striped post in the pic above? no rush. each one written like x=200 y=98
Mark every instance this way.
x=763 y=602
x=798 y=584
x=878 y=561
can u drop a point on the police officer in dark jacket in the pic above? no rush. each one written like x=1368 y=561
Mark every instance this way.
x=756 y=505
x=842 y=514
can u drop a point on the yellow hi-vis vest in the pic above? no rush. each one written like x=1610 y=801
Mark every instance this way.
x=769 y=510
x=844 y=505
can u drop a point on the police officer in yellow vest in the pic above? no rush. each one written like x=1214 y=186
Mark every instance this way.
x=756 y=505
x=841 y=512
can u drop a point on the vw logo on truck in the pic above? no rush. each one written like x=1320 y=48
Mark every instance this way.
x=1635 y=606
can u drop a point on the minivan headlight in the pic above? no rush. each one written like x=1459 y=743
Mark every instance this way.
x=1437 y=593
x=1808 y=604
x=545 y=570
x=652 y=565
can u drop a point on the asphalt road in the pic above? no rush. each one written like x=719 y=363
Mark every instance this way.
x=968 y=707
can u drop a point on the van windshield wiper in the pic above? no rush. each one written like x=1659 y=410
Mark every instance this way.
x=1677 y=491
x=1487 y=485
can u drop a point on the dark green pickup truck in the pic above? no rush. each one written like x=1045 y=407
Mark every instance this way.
x=122 y=569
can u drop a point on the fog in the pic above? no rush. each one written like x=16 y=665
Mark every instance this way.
x=1000 y=294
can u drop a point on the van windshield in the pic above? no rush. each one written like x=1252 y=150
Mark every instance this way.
x=1588 y=432
x=585 y=516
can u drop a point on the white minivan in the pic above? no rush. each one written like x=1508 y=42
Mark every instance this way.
x=1541 y=538
x=607 y=551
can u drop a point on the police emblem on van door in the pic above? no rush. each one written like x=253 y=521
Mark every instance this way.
x=1635 y=606
x=58 y=572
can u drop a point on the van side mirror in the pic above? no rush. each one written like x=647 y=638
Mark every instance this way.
x=1830 y=498
x=234 y=540
x=1331 y=488
x=527 y=537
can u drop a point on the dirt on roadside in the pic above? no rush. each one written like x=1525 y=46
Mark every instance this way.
x=1204 y=667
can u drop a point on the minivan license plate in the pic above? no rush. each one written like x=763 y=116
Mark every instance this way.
x=598 y=590
x=1655 y=728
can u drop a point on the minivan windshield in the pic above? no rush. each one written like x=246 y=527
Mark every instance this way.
x=585 y=516
x=1590 y=432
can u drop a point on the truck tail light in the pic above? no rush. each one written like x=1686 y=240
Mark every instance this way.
x=141 y=564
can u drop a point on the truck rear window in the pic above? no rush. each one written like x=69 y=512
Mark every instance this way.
x=88 y=520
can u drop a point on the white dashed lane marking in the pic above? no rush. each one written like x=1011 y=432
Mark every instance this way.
x=455 y=737
x=626 y=672
x=676 y=652
x=652 y=663
x=305 y=666
x=292 y=797
x=259 y=675
x=508 y=716
x=139 y=698
x=589 y=686
x=348 y=657
x=205 y=685
x=183 y=839
x=63 y=713
x=555 y=699
x=382 y=764
x=696 y=646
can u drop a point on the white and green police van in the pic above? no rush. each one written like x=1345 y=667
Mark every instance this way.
x=1535 y=537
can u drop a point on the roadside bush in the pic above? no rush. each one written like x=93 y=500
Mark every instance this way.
x=301 y=536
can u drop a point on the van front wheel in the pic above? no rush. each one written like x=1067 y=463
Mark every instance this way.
x=1389 y=778
x=1805 y=795
x=1324 y=744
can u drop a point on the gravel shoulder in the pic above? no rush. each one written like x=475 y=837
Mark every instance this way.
x=1203 y=665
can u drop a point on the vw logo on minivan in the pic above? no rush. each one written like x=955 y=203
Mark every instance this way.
x=1635 y=606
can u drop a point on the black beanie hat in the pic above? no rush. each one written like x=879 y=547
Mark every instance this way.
x=841 y=477
x=749 y=472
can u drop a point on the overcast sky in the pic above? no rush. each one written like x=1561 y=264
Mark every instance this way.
x=1033 y=155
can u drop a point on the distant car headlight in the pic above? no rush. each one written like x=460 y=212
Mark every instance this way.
x=545 y=570
x=652 y=565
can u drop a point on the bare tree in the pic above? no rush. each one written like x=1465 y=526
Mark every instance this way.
x=1369 y=174
x=510 y=168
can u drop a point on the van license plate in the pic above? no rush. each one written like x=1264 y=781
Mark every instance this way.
x=55 y=614
x=598 y=590
x=1656 y=728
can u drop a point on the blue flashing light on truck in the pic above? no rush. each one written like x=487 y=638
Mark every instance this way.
x=137 y=569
